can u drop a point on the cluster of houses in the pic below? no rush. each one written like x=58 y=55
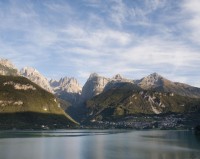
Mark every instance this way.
x=144 y=122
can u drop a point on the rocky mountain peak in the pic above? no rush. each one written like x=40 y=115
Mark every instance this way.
x=94 y=86
x=36 y=77
x=69 y=85
x=66 y=80
x=7 y=63
x=7 y=68
x=117 y=77
x=67 y=89
x=155 y=75
x=92 y=75
x=152 y=80
x=28 y=71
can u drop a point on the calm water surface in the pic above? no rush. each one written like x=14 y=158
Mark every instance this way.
x=99 y=144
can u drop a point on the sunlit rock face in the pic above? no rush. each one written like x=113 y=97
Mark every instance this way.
x=67 y=89
x=7 y=68
x=36 y=77
x=67 y=84
x=94 y=86
x=152 y=80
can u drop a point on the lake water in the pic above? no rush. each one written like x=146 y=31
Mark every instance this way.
x=99 y=144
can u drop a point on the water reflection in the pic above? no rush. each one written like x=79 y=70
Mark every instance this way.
x=105 y=144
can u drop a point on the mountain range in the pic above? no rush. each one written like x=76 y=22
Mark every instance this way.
x=103 y=98
x=96 y=84
x=26 y=105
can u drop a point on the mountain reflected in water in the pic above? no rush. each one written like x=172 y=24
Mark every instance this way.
x=99 y=144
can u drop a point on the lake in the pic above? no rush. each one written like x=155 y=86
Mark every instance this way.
x=99 y=144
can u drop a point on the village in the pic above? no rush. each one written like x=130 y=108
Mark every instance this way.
x=169 y=121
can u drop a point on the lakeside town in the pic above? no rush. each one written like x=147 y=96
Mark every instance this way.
x=168 y=121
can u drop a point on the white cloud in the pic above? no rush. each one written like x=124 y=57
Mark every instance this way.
x=133 y=13
x=42 y=37
x=152 y=5
x=97 y=40
x=93 y=3
x=157 y=51
x=138 y=58
x=17 y=16
x=191 y=9
x=59 y=7
x=118 y=12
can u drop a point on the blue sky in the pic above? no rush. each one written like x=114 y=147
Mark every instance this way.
x=131 y=37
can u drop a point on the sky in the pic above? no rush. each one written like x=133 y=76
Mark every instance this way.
x=131 y=37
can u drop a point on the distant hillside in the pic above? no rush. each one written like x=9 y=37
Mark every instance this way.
x=23 y=104
x=129 y=99
x=157 y=82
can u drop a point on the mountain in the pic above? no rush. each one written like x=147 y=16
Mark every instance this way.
x=25 y=105
x=119 y=78
x=7 y=68
x=94 y=86
x=153 y=94
x=152 y=81
x=97 y=84
x=157 y=82
x=100 y=99
x=36 y=77
x=67 y=89
x=116 y=81
x=129 y=99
